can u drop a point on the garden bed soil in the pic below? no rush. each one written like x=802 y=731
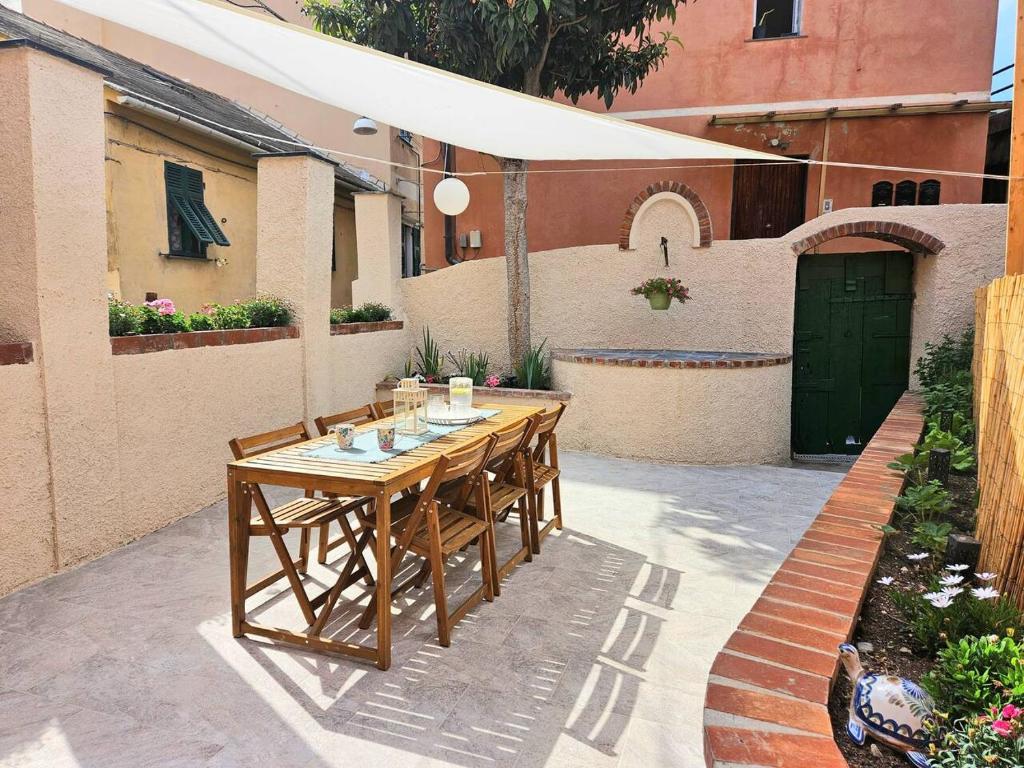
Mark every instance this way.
x=882 y=625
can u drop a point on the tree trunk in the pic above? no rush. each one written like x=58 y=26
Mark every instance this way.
x=516 y=262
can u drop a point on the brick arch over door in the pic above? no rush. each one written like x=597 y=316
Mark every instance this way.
x=686 y=197
x=911 y=238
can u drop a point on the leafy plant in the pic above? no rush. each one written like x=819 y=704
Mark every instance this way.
x=371 y=312
x=955 y=395
x=268 y=312
x=474 y=365
x=199 y=321
x=161 y=316
x=534 y=370
x=946 y=360
x=991 y=740
x=961 y=455
x=123 y=318
x=232 y=316
x=375 y=312
x=976 y=674
x=931 y=535
x=925 y=502
x=431 y=362
x=913 y=465
x=934 y=621
x=668 y=285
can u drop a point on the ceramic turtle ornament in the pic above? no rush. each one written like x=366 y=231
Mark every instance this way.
x=892 y=710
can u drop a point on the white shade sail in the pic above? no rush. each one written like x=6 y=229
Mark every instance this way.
x=421 y=99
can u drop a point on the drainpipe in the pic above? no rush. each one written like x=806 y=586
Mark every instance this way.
x=824 y=166
x=449 y=221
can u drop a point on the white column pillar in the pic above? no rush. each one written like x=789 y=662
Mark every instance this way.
x=295 y=231
x=53 y=267
x=378 y=249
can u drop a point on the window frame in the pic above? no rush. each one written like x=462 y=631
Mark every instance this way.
x=184 y=189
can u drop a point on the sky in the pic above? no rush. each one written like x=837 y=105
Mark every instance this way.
x=1005 y=33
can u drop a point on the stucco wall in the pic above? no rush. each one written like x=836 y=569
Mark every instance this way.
x=26 y=508
x=346 y=266
x=358 y=362
x=692 y=416
x=176 y=411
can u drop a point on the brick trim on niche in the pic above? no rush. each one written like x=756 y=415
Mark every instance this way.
x=568 y=356
x=703 y=216
x=348 y=329
x=767 y=696
x=903 y=235
x=159 y=342
x=16 y=353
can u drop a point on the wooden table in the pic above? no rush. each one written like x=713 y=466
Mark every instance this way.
x=290 y=468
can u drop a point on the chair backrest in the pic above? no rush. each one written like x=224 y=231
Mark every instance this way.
x=545 y=431
x=384 y=408
x=359 y=415
x=244 y=447
x=510 y=441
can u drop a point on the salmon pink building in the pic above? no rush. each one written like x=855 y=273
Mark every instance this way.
x=872 y=82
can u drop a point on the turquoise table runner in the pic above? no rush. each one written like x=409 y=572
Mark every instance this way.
x=364 y=447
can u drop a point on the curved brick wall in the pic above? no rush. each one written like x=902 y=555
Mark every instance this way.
x=767 y=695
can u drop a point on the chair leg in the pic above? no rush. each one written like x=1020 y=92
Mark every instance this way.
x=303 y=550
x=524 y=529
x=322 y=540
x=556 y=499
x=436 y=559
x=421 y=577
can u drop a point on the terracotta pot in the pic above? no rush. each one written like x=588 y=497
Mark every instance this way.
x=659 y=300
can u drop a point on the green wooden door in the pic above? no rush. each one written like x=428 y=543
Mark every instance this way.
x=851 y=344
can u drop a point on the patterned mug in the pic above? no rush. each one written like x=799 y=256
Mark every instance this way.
x=345 y=434
x=386 y=437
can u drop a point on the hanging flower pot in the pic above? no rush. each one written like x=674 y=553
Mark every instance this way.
x=659 y=300
x=659 y=291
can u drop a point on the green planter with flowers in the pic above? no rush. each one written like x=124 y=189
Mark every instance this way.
x=660 y=291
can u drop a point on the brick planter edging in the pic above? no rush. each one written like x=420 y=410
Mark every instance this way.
x=348 y=329
x=16 y=353
x=767 y=696
x=480 y=394
x=158 y=342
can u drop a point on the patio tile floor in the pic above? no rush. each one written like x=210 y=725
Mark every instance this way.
x=596 y=654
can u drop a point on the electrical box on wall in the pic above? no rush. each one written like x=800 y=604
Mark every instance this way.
x=826 y=206
x=475 y=238
x=463 y=240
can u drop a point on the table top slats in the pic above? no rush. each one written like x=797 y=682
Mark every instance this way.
x=290 y=467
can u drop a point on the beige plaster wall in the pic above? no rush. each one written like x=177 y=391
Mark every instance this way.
x=359 y=361
x=137 y=147
x=345 y=261
x=176 y=411
x=26 y=507
x=692 y=416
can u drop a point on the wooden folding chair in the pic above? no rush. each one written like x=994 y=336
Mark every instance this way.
x=303 y=513
x=507 y=489
x=542 y=470
x=357 y=416
x=434 y=529
x=384 y=408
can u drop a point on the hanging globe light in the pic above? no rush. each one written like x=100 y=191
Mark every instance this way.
x=451 y=196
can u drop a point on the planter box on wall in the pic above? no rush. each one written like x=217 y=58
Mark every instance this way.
x=158 y=342
x=348 y=329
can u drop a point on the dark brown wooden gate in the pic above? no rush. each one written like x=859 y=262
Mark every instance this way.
x=768 y=199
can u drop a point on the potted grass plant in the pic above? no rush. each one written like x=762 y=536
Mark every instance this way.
x=660 y=291
x=760 y=31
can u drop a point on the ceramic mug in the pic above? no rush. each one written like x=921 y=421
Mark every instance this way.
x=345 y=434
x=386 y=437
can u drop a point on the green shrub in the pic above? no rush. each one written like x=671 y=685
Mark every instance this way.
x=375 y=312
x=931 y=535
x=430 y=361
x=199 y=321
x=230 y=317
x=340 y=315
x=976 y=674
x=534 y=370
x=945 y=360
x=913 y=465
x=151 y=321
x=953 y=395
x=961 y=455
x=925 y=502
x=474 y=365
x=267 y=312
x=371 y=312
x=989 y=740
x=123 y=318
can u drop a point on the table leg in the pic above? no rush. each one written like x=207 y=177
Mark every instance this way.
x=383 y=557
x=239 y=509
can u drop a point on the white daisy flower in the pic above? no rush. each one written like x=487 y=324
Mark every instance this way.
x=886 y=580
x=929 y=596
x=917 y=556
x=986 y=576
x=950 y=581
x=957 y=568
x=942 y=601
x=985 y=593
x=951 y=591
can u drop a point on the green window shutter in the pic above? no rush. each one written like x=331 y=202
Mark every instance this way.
x=185 y=192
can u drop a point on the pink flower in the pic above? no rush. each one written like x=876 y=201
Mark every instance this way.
x=1003 y=728
x=162 y=306
x=1009 y=712
x=492 y=381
